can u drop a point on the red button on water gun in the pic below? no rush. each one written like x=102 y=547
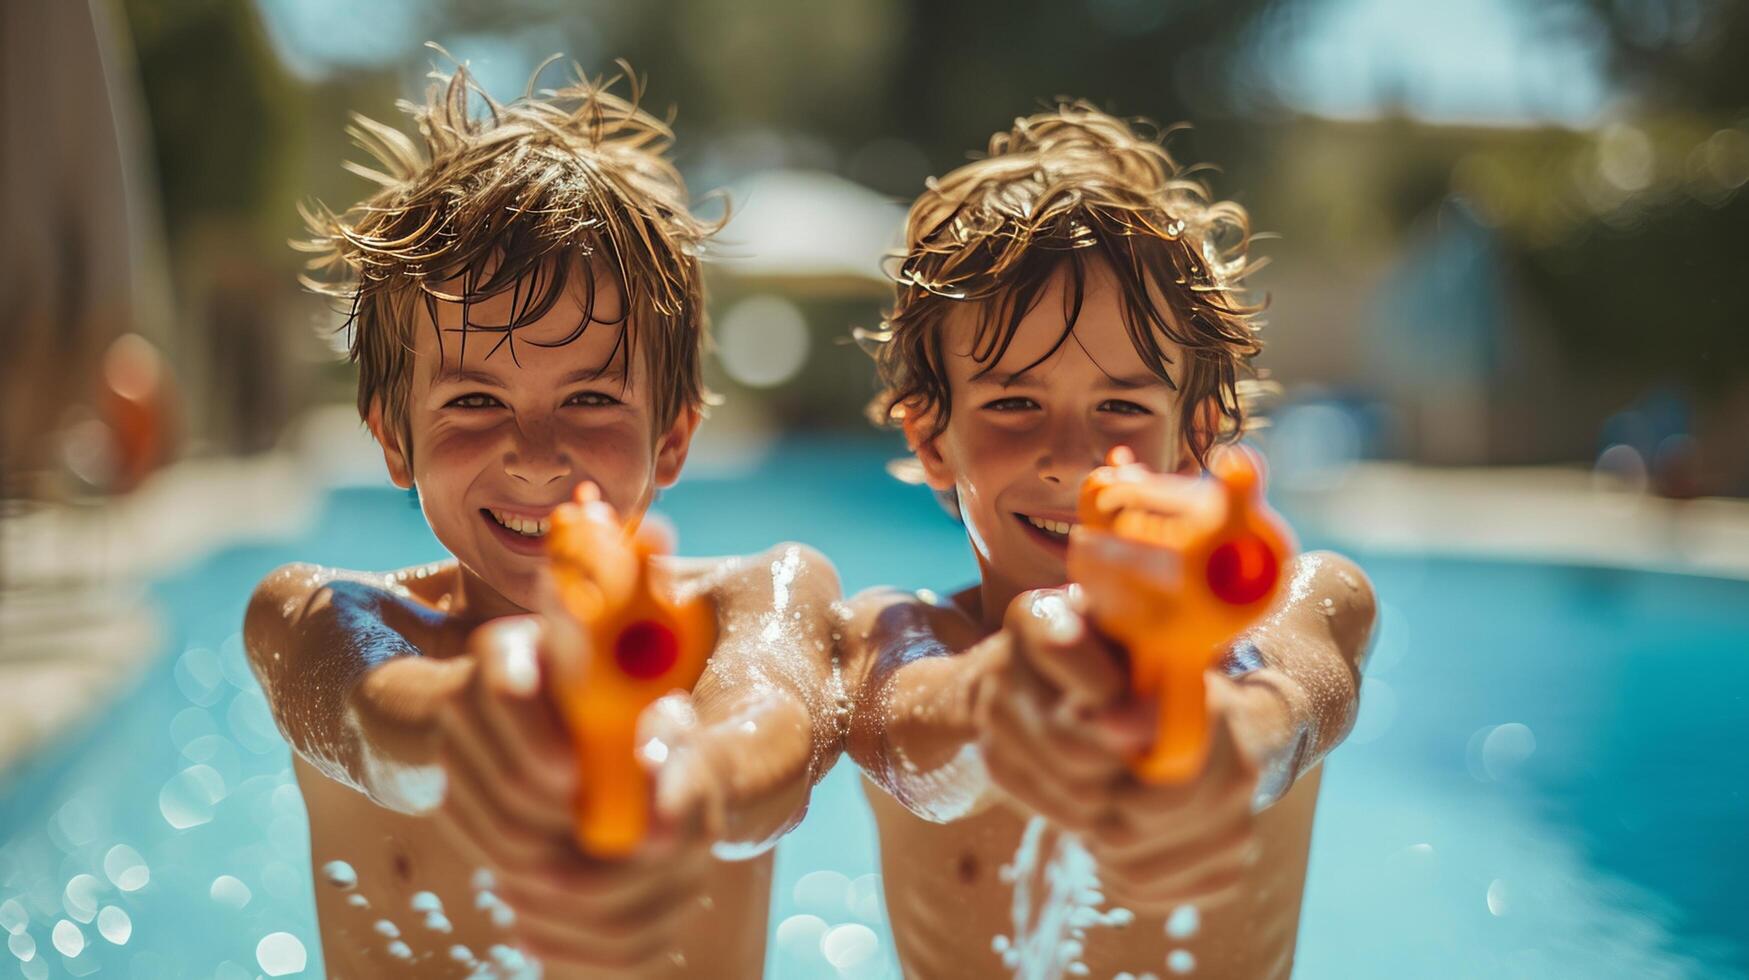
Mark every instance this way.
x=1174 y=568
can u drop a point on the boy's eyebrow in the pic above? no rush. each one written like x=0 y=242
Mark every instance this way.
x=1132 y=381
x=613 y=373
x=1127 y=382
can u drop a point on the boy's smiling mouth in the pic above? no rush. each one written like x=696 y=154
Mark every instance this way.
x=1053 y=532
x=522 y=533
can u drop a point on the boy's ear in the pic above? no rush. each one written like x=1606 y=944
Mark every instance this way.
x=394 y=455
x=675 y=444
x=920 y=435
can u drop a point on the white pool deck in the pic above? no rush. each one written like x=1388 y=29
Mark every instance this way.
x=73 y=624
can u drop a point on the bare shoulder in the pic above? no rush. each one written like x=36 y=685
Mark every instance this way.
x=886 y=620
x=299 y=592
x=1337 y=584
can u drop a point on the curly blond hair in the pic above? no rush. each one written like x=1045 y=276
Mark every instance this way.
x=518 y=196
x=1059 y=189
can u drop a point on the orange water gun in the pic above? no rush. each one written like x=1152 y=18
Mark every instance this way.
x=640 y=644
x=1173 y=568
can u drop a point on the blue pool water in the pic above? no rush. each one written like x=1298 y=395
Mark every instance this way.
x=1546 y=780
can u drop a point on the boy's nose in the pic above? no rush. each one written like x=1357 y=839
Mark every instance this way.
x=1070 y=455
x=535 y=458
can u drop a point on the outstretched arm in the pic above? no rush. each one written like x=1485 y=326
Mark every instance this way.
x=763 y=724
x=1298 y=672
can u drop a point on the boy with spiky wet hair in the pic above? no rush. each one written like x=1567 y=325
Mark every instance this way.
x=526 y=315
x=1069 y=293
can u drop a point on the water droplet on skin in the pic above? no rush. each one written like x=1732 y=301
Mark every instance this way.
x=483 y=880
x=506 y=957
x=1346 y=578
x=115 y=925
x=280 y=953
x=437 y=922
x=1180 y=961
x=426 y=902
x=1327 y=606
x=387 y=929
x=503 y=916
x=340 y=875
x=68 y=939
x=80 y=897
x=358 y=901
x=461 y=954
x=227 y=890
x=126 y=869
x=400 y=950
x=1184 y=922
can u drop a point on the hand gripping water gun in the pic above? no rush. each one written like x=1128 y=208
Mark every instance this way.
x=1173 y=568
x=639 y=645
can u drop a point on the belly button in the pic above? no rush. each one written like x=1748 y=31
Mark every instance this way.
x=403 y=867
x=967 y=868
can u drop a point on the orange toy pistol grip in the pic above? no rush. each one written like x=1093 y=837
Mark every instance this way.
x=1174 y=568
x=639 y=645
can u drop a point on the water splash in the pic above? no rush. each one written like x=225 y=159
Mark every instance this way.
x=1048 y=942
x=340 y=875
x=851 y=948
x=1184 y=922
x=13 y=918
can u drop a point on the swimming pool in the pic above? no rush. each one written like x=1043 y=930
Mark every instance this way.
x=1546 y=778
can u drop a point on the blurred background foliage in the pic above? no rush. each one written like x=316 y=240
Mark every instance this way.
x=1511 y=230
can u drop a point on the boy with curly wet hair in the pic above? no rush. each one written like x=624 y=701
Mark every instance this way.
x=1071 y=292
x=526 y=314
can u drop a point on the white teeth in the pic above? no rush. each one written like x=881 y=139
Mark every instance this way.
x=530 y=527
x=1054 y=527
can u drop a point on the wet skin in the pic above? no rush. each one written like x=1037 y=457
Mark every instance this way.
x=974 y=714
x=419 y=706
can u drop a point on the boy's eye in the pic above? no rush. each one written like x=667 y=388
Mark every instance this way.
x=475 y=400
x=592 y=399
x=1121 y=407
x=1012 y=404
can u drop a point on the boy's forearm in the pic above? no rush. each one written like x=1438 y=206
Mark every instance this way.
x=769 y=703
x=1299 y=671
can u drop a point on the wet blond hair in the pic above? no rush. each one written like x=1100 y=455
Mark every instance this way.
x=1058 y=190
x=517 y=197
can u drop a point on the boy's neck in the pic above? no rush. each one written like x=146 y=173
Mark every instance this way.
x=987 y=602
x=477 y=602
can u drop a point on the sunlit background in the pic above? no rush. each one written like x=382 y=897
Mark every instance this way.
x=1507 y=246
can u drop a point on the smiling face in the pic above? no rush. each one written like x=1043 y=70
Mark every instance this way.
x=497 y=442
x=1025 y=430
